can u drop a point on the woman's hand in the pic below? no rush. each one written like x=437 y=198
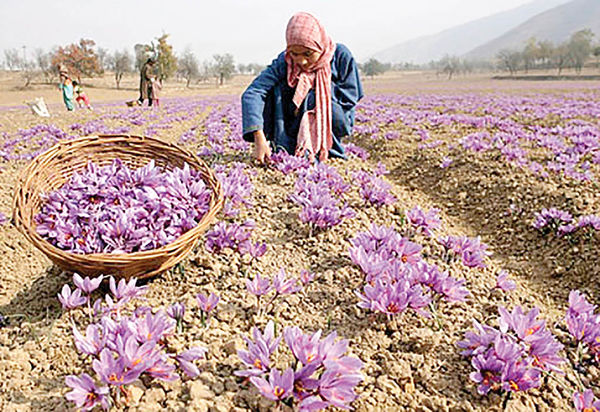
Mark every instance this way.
x=262 y=150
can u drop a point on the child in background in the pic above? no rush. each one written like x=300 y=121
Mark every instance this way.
x=66 y=86
x=81 y=98
x=156 y=88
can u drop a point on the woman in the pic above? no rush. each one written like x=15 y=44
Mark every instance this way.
x=304 y=101
x=66 y=86
x=146 y=77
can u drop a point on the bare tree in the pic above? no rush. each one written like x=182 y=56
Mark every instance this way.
x=187 y=66
x=580 y=48
x=224 y=67
x=450 y=65
x=12 y=59
x=509 y=60
x=560 y=57
x=120 y=62
x=43 y=60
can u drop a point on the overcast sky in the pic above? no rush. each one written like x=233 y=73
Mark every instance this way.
x=251 y=30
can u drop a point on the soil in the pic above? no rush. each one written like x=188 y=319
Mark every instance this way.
x=409 y=363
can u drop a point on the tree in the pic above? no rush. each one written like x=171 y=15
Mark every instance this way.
x=580 y=48
x=545 y=51
x=597 y=55
x=450 y=65
x=255 y=68
x=224 y=67
x=142 y=53
x=167 y=62
x=104 y=58
x=560 y=57
x=43 y=60
x=530 y=54
x=120 y=62
x=509 y=60
x=372 y=68
x=188 y=66
x=79 y=59
x=12 y=59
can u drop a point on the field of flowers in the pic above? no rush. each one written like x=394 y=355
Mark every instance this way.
x=449 y=265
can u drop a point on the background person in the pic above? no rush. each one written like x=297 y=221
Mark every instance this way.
x=146 y=76
x=66 y=86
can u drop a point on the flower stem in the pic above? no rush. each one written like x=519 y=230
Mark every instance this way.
x=435 y=316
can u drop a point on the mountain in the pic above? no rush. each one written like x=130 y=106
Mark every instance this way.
x=465 y=37
x=556 y=24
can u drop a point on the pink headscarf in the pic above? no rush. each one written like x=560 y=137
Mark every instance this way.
x=315 y=133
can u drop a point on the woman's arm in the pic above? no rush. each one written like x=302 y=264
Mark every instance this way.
x=253 y=99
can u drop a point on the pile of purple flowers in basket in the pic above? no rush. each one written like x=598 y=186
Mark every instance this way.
x=114 y=209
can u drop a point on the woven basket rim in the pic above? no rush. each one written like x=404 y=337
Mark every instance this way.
x=29 y=231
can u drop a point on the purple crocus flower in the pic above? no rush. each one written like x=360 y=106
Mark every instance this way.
x=207 y=303
x=87 y=285
x=113 y=371
x=176 y=311
x=278 y=387
x=586 y=401
x=92 y=343
x=70 y=300
x=283 y=285
x=305 y=347
x=85 y=394
x=258 y=286
x=487 y=373
x=306 y=276
x=259 y=352
x=186 y=360
x=504 y=283
x=126 y=290
x=338 y=388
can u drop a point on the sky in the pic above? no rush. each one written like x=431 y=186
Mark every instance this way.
x=253 y=31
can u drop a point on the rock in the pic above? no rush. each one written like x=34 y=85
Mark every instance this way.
x=154 y=395
x=200 y=405
x=150 y=407
x=136 y=391
x=218 y=387
x=231 y=347
x=198 y=390
x=388 y=385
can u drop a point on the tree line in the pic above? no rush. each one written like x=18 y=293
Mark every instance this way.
x=84 y=59
x=573 y=53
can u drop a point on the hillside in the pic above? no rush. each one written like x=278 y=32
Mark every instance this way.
x=461 y=39
x=556 y=24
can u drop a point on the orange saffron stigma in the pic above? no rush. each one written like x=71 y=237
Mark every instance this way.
x=514 y=386
x=311 y=357
x=404 y=259
x=277 y=391
x=258 y=364
x=392 y=308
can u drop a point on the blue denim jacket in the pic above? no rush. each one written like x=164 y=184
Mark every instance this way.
x=267 y=103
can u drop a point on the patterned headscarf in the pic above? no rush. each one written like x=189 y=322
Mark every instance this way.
x=315 y=133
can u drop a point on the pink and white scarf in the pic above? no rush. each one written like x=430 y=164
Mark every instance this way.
x=315 y=133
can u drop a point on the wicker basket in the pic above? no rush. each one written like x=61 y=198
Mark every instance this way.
x=52 y=169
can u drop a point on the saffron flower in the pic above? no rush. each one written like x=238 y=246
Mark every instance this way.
x=87 y=285
x=71 y=300
x=278 y=387
x=85 y=394
x=504 y=283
